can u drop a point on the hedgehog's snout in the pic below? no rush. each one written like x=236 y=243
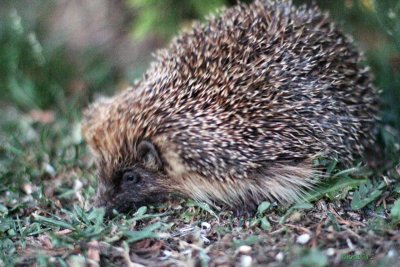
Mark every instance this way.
x=135 y=187
x=114 y=202
x=102 y=200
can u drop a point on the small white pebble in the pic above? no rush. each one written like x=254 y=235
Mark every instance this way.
x=391 y=253
x=245 y=261
x=303 y=239
x=279 y=256
x=167 y=254
x=391 y=14
x=330 y=251
x=27 y=188
x=187 y=252
x=77 y=184
x=164 y=235
x=49 y=169
x=350 y=244
x=205 y=226
x=244 y=249
x=295 y=217
x=330 y=229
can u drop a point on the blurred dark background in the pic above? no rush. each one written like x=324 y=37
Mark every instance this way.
x=58 y=55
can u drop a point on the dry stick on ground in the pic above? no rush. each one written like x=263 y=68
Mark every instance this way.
x=317 y=233
x=298 y=227
x=343 y=221
x=382 y=200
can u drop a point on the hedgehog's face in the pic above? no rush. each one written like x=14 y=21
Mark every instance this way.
x=130 y=170
x=128 y=186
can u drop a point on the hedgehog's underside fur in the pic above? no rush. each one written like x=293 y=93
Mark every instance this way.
x=239 y=107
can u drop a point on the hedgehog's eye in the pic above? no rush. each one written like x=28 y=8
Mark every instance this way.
x=130 y=177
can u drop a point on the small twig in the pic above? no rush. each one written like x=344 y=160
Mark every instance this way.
x=317 y=233
x=352 y=233
x=382 y=200
x=63 y=232
x=278 y=231
x=298 y=228
x=343 y=221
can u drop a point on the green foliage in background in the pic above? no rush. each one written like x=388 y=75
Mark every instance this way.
x=165 y=18
x=385 y=60
x=38 y=77
x=28 y=78
x=388 y=13
x=375 y=26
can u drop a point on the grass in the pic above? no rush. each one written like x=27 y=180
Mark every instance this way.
x=47 y=182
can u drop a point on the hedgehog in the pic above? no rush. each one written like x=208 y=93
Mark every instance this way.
x=235 y=112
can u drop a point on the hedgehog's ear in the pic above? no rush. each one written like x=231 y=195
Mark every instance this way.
x=93 y=120
x=148 y=155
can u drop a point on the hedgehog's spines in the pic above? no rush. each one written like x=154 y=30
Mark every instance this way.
x=239 y=106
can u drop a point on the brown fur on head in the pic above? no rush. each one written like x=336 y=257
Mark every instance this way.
x=130 y=169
